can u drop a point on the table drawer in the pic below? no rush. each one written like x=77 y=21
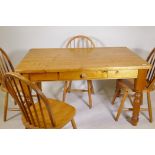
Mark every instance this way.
x=43 y=77
x=86 y=75
x=122 y=74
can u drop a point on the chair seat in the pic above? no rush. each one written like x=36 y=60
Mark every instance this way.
x=126 y=83
x=62 y=113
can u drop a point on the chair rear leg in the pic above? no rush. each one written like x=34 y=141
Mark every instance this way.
x=69 y=87
x=92 y=88
x=5 y=106
x=89 y=94
x=121 y=105
x=130 y=99
x=117 y=86
x=117 y=92
x=73 y=124
x=65 y=91
x=149 y=106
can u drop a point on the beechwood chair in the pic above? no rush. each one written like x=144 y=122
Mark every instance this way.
x=38 y=112
x=128 y=85
x=5 y=66
x=79 y=41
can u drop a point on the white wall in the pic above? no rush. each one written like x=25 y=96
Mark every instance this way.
x=18 y=40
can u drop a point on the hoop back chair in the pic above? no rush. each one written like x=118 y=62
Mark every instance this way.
x=38 y=112
x=79 y=41
x=128 y=85
x=5 y=67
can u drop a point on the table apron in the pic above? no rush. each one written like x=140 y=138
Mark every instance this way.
x=82 y=75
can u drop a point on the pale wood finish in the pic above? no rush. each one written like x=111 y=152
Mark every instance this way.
x=139 y=85
x=60 y=60
x=147 y=86
x=79 y=41
x=83 y=75
x=96 y=63
x=5 y=67
x=38 y=112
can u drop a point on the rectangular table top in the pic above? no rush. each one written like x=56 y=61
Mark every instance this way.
x=77 y=59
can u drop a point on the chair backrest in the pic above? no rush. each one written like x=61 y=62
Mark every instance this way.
x=5 y=65
x=151 y=72
x=80 y=41
x=0 y=79
x=21 y=90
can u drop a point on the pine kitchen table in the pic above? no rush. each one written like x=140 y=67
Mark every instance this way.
x=57 y=64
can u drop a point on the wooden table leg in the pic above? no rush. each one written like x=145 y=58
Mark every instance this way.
x=140 y=83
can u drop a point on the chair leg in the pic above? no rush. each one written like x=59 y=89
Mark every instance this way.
x=117 y=86
x=69 y=87
x=73 y=124
x=130 y=99
x=142 y=98
x=89 y=94
x=121 y=105
x=65 y=91
x=6 y=106
x=149 y=105
x=92 y=88
x=117 y=92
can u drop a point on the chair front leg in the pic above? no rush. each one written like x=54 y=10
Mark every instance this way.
x=141 y=98
x=6 y=106
x=73 y=124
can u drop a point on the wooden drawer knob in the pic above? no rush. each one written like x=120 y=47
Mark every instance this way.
x=104 y=71
x=83 y=75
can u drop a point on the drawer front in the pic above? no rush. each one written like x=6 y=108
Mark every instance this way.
x=43 y=77
x=115 y=74
x=85 y=75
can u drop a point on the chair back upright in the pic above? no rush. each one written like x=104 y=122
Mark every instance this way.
x=80 y=41
x=21 y=90
x=151 y=73
x=5 y=65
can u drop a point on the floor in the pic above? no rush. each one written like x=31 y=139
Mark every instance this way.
x=99 y=117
